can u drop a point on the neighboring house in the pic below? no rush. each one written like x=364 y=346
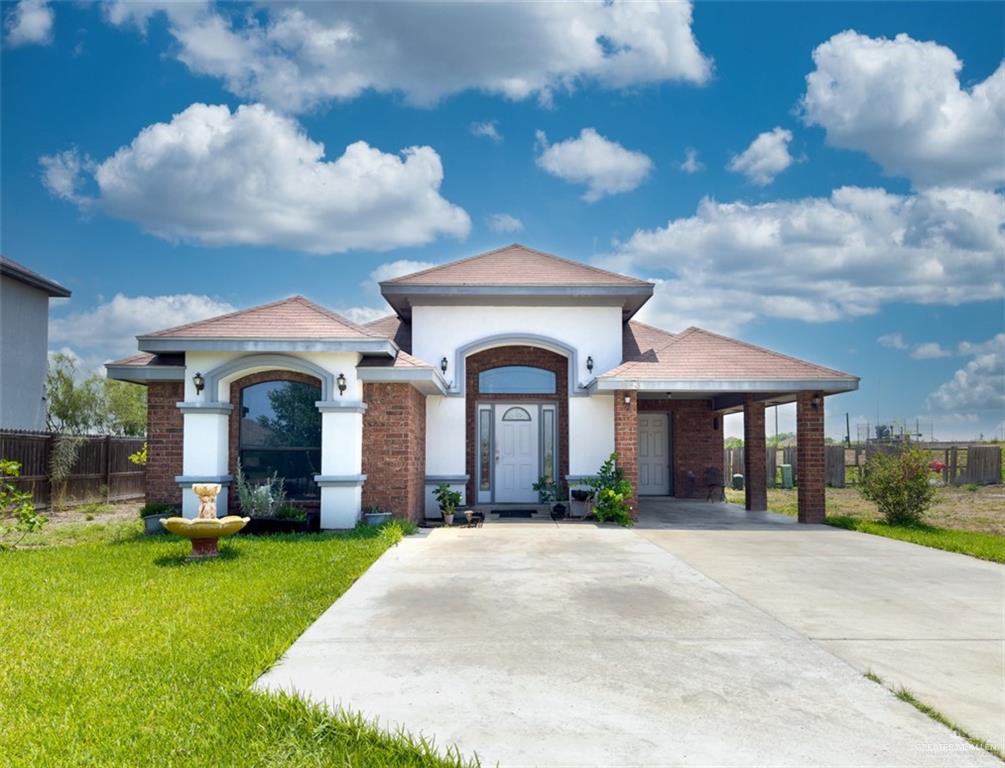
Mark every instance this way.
x=24 y=344
x=493 y=371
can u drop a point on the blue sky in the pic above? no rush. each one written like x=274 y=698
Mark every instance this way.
x=843 y=202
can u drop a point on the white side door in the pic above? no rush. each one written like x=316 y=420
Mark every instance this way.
x=517 y=446
x=654 y=463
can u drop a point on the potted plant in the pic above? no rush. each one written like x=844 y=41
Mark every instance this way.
x=375 y=516
x=152 y=515
x=448 y=500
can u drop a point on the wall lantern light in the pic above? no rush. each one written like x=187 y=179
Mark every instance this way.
x=715 y=423
x=443 y=364
x=589 y=363
x=815 y=402
x=340 y=383
x=628 y=401
x=199 y=382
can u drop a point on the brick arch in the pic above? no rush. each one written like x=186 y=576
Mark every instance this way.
x=234 y=422
x=515 y=355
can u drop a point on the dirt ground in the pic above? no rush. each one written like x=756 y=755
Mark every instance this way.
x=957 y=508
x=98 y=512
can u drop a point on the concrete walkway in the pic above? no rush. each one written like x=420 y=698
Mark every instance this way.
x=923 y=619
x=578 y=645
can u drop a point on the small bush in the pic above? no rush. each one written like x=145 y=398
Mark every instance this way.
x=972 y=487
x=18 y=517
x=260 y=500
x=899 y=486
x=157 y=508
x=611 y=493
x=290 y=512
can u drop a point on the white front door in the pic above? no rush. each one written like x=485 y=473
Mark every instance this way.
x=654 y=463
x=517 y=445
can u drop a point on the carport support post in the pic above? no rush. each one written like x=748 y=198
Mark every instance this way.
x=626 y=440
x=755 y=471
x=810 y=456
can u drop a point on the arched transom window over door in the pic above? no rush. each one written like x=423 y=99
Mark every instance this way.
x=280 y=433
x=517 y=380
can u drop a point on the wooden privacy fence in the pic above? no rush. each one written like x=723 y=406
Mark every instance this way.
x=100 y=467
x=834 y=467
x=977 y=464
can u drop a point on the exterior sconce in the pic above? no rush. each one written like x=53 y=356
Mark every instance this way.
x=715 y=423
x=628 y=401
x=443 y=364
x=199 y=382
x=589 y=363
x=340 y=383
x=815 y=402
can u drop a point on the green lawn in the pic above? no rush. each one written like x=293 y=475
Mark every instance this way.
x=980 y=544
x=117 y=651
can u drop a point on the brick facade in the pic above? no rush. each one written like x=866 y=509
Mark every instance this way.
x=165 y=428
x=626 y=440
x=810 y=456
x=515 y=355
x=234 y=423
x=695 y=442
x=394 y=449
x=755 y=470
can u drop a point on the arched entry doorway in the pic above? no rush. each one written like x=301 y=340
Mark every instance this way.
x=517 y=422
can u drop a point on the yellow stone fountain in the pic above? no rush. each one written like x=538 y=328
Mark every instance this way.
x=205 y=529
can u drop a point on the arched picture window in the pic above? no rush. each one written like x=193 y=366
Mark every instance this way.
x=517 y=380
x=280 y=432
x=516 y=414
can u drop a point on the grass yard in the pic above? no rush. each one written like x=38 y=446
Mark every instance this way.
x=117 y=651
x=971 y=522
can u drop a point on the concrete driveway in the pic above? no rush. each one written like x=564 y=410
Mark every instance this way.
x=577 y=645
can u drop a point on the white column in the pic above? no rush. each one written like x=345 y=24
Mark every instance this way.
x=205 y=452
x=341 y=477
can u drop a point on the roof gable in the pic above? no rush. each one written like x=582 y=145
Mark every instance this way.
x=515 y=265
x=13 y=270
x=291 y=318
x=700 y=355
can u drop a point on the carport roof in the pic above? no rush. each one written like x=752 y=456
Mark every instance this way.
x=699 y=360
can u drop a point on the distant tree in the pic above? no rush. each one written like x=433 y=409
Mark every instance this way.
x=777 y=441
x=74 y=407
x=125 y=408
x=734 y=442
x=94 y=404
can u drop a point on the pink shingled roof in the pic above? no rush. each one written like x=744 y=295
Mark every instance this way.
x=292 y=318
x=697 y=354
x=143 y=358
x=394 y=328
x=516 y=265
x=638 y=338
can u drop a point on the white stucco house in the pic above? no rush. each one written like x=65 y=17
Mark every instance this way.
x=24 y=344
x=488 y=373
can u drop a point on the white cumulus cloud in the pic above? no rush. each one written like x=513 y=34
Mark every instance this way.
x=252 y=177
x=295 y=56
x=892 y=341
x=766 y=157
x=371 y=287
x=819 y=259
x=930 y=350
x=109 y=329
x=504 y=222
x=691 y=162
x=487 y=129
x=901 y=101
x=604 y=166
x=29 y=23
x=977 y=387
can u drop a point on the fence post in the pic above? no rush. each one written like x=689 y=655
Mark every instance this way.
x=107 y=449
x=50 y=445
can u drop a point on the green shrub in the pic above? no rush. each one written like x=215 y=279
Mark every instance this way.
x=18 y=517
x=290 y=512
x=972 y=487
x=611 y=491
x=92 y=508
x=899 y=485
x=263 y=499
x=157 y=508
x=547 y=490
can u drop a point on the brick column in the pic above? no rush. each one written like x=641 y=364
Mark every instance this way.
x=810 y=456
x=164 y=442
x=394 y=449
x=626 y=440
x=755 y=471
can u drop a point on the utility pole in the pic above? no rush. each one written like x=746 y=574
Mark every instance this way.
x=847 y=429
